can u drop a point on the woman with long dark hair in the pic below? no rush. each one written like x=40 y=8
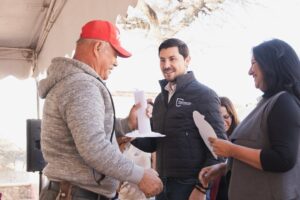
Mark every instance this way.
x=264 y=148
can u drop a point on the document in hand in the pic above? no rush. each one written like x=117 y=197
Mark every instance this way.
x=205 y=130
x=144 y=128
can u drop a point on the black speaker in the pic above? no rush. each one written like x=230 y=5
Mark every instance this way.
x=35 y=159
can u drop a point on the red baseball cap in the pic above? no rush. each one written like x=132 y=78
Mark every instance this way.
x=106 y=31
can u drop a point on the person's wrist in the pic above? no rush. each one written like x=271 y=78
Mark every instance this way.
x=200 y=187
x=200 y=190
x=130 y=125
x=232 y=150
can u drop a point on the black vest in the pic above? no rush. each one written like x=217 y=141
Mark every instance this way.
x=182 y=153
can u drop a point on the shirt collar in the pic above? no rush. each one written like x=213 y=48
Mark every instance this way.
x=170 y=87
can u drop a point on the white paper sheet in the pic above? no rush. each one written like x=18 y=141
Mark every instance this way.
x=143 y=121
x=144 y=127
x=205 y=130
x=137 y=134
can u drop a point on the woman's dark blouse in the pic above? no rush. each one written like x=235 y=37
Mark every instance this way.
x=284 y=134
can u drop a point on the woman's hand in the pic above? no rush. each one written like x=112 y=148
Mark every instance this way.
x=221 y=147
x=210 y=173
x=247 y=155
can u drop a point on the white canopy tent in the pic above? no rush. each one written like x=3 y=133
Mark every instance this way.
x=34 y=31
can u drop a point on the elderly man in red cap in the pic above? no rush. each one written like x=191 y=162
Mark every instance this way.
x=79 y=126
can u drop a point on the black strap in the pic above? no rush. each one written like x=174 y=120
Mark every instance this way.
x=112 y=131
x=113 y=107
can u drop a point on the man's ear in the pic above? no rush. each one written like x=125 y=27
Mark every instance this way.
x=187 y=61
x=97 y=46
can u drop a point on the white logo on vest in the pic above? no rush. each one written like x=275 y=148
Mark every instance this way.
x=180 y=102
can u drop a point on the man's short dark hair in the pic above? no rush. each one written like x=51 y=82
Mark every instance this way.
x=174 y=42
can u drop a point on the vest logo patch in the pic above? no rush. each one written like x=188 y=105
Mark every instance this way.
x=180 y=102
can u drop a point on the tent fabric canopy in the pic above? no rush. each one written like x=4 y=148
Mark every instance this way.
x=34 y=31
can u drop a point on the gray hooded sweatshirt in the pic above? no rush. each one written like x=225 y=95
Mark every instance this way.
x=76 y=130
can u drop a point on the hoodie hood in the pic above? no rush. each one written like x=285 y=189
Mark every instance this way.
x=59 y=69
